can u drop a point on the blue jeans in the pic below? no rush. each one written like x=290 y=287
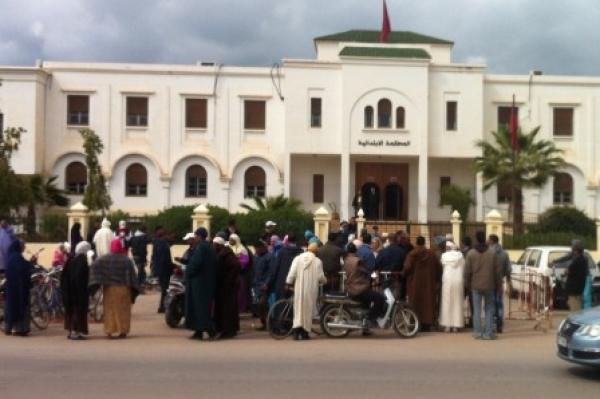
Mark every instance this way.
x=490 y=307
x=499 y=299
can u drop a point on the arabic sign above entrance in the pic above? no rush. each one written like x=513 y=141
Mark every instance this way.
x=382 y=143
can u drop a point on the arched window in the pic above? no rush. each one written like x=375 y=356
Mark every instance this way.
x=195 y=179
x=563 y=189
x=255 y=182
x=368 y=117
x=136 y=181
x=400 y=118
x=384 y=113
x=75 y=178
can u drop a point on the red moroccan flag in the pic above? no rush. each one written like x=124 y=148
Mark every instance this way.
x=386 y=27
x=514 y=127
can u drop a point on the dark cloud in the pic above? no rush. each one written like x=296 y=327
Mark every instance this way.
x=511 y=36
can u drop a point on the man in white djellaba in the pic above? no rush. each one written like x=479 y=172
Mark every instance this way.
x=103 y=238
x=306 y=274
x=451 y=312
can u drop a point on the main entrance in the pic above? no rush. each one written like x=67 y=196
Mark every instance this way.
x=382 y=190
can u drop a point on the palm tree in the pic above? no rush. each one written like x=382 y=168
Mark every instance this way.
x=529 y=167
x=41 y=192
x=271 y=203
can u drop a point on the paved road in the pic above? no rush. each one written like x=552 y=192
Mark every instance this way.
x=157 y=362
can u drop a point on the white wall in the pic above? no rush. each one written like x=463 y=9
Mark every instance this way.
x=303 y=167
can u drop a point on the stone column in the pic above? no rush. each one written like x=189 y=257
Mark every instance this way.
x=78 y=213
x=322 y=219
x=423 y=187
x=360 y=221
x=345 y=201
x=456 y=222
x=494 y=224
x=201 y=218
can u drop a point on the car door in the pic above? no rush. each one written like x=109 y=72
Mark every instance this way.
x=519 y=268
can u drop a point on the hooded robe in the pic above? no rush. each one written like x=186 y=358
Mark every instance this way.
x=451 y=309
x=306 y=274
x=103 y=238
x=74 y=286
x=200 y=288
x=227 y=318
x=18 y=286
x=423 y=271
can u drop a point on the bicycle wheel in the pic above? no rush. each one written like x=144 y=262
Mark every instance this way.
x=96 y=306
x=281 y=319
x=405 y=322
x=38 y=310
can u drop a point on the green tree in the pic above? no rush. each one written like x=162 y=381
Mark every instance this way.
x=41 y=191
x=96 y=197
x=457 y=198
x=272 y=203
x=565 y=219
x=529 y=167
x=12 y=190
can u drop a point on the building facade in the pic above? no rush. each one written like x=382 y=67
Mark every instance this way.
x=380 y=125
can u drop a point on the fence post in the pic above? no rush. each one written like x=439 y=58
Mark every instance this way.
x=201 y=218
x=494 y=224
x=456 y=222
x=598 y=235
x=78 y=213
x=360 y=221
x=322 y=219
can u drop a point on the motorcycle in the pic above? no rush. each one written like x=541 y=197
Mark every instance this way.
x=342 y=315
x=175 y=299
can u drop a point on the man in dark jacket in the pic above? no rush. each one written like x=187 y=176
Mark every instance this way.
x=576 y=275
x=139 y=251
x=162 y=264
x=483 y=276
x=262 y=268
x=331 y=256
x=282 y=266
x=200 y=287
x=391 y=259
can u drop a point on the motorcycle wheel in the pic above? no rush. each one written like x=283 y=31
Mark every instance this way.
x=281 y=319
x=335 y=314
x=173 y=312
x=405 y=322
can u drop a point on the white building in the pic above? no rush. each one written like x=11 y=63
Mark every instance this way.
x=392 y=121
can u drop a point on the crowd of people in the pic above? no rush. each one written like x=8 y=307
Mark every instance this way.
x=224 y=277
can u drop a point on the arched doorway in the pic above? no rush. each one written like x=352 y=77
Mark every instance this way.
x=393 y=201
x=370 y=200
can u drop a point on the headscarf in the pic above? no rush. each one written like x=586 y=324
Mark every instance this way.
x=218 y=240
x=82 y=248
x=308 y=235
x=106 y=223
x=451 y=246
x=237 y=248
x=314 y=240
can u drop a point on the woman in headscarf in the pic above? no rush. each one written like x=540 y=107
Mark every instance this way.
x=75 y=293
x=235 y=244
x=451 y=309
x=226 y=312
x=18 y=285
x=76 y=237
x=115 y=273
x=60 y=255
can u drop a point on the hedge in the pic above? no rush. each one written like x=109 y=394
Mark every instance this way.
x=523 y=241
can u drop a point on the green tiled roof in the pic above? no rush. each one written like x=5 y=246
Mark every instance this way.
x=385 y=52
x=372 y=36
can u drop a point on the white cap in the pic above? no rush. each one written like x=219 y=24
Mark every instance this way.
x=270 y=223
x=219 y=240
x=188 y=236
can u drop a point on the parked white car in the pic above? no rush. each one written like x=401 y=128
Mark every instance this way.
x=550 y=261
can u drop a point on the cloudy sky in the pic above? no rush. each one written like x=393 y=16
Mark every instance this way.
x=510 y=36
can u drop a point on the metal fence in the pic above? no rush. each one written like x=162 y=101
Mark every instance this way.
x=530 y=297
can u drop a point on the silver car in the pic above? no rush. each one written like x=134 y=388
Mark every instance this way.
x=578 y=338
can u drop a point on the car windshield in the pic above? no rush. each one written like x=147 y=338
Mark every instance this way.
x=523 y=258
x=559 y=259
